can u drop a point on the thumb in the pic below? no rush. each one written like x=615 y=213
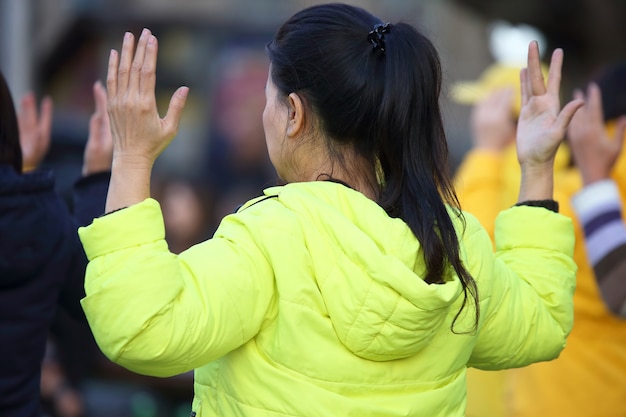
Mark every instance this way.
x=565 y=117
x=175 y=110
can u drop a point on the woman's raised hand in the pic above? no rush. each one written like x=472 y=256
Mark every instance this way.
x=542 y=124
x=139 y=133
x=35 y=130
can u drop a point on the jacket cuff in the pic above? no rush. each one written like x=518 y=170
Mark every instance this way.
x=551 y=205
x=138 y=224
x=534 y=227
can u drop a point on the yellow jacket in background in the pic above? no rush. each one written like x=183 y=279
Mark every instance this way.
x=310 y=302
x=589 y=378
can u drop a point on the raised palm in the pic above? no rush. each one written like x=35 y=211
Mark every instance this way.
x=542 y=124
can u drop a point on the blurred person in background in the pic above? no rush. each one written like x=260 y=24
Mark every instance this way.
x=238 y=167
x=354 y=289
x=186 y=211
x=597 y=142
x=599 y=204
x=42 y=263
x=589 y=378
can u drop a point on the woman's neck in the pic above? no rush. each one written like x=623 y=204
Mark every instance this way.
x=346 y=167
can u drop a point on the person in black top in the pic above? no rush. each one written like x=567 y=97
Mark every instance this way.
x=42 y=263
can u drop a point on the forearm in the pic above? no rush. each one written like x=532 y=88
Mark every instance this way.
x=537 y=182
x=130 y=182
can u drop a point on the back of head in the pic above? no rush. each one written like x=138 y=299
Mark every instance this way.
x=10 y=151
x=358 y=93
x=374 y=87
x=612 y=83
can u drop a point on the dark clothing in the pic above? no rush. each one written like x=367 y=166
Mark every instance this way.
x=42 y=263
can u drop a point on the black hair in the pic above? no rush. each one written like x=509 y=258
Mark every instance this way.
x=10 y=151
x=385 y=105
x=612 y=83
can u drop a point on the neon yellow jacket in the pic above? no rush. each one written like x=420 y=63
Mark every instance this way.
x=310 y=302
x=589 y=378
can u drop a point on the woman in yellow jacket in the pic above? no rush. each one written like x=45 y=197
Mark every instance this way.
x=354 y=290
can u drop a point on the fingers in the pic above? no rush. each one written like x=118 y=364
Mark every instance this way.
x=45 y=122
x=579 y=117
x=100 y=112
x=123 y=72
x=524 y=86
x=175 y=110
x=554 y=74
x=148 y=79
x=535 y=76
x=100 y=97
x=594 y=104
x=132 y=69
x=578 y=94
x=138 y=61
x=28 y=111
x=114 y=59
x=567 y=113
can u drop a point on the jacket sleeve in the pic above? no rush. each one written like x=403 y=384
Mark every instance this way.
x=89 y=198
x=162 y=314
x=599 y=208
x=526 y=289
x=478 y=184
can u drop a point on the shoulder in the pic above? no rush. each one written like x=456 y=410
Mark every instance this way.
x=265 y=212
x=12 y=183
x=257 y=200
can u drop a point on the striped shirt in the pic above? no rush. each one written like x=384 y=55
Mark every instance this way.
x=599 y=209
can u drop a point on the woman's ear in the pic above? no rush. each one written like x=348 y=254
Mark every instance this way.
x=296 y=118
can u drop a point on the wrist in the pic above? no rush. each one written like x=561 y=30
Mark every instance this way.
x=591 y=176
x=536 y=169
x=537 y=182
x=130 y=181
x=131 y=161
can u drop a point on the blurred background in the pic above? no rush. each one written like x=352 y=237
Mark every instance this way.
x=60 y=47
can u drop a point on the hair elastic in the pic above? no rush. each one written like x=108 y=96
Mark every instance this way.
x=376 y=36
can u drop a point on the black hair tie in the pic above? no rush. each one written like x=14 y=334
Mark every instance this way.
x=376 y=36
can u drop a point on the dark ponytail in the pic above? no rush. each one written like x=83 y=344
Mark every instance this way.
x=380 y=94
x=10 y=151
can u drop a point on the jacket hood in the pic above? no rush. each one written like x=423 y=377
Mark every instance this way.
x=369 y=270
x=29 y=224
